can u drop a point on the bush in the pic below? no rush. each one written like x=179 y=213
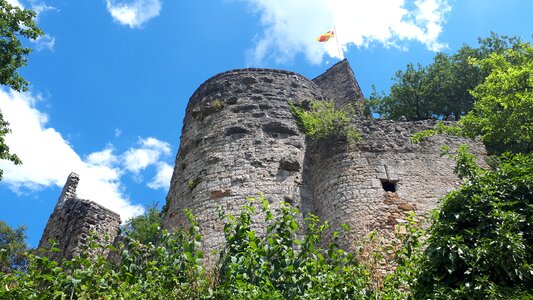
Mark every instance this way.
x=171 y=270
x=285 y=262
x=324 y=121
x=481 y=242
x=280 y=265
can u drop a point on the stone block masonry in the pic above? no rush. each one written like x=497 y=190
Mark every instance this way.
x=240 y=139
x=376 y=184
x=74 y=221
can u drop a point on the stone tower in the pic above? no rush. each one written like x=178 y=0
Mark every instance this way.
x=240 y=139
x=74 y=220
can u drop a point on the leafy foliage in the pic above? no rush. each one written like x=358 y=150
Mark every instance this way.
x=481 y=242
x=503 y=112
x=322 y=121
x=408 y=96
x=4 y=148
x=145 y=228
x=441 y=89
x=279 y=265
x=171 y=270
x=12 y=247
x=282 y=263
x=14 y=24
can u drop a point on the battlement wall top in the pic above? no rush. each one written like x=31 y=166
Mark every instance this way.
x=245 y=73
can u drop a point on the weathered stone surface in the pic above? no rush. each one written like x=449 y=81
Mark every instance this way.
x=289 y=164
x=74 y=220
x=220 y=193
x=239 y=139
x=347 y=183
x=239 y=148
x=338 y=84
x=252 y=145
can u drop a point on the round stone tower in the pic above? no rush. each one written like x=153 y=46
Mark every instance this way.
x=239 y=139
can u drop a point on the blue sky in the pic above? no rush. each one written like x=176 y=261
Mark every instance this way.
x=110 y=80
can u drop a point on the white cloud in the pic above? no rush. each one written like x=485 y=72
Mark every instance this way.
x=41 y=7
x=162 y=178
x=149 y=153
x=48 y=158
x=15 y=3
x=133 y=13
x=291 y=26
x=103 y=158
x=44 y=42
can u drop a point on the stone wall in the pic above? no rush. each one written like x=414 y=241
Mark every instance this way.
x=338 y=84
x=74 y=220
x=375 y=184
x=240 y=139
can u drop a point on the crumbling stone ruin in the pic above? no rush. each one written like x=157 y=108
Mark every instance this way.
x=74 y=221
x=239 y=139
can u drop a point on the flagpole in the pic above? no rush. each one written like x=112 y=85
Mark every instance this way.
x=337 y=39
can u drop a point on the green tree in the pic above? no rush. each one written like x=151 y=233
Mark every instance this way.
x=15 y=23
x=481 y=241
x=441 y=89
x=145 y=228
x=408 y=96
x=503 y=112
x=12 y=247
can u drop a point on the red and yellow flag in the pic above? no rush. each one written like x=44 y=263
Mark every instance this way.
x=326 y=36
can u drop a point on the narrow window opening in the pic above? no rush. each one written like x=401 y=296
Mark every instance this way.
x=388 y=186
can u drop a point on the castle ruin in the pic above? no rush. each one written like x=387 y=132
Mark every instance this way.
x=74 y=221
x=239 y=139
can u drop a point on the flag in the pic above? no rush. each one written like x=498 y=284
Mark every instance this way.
x=326 y=36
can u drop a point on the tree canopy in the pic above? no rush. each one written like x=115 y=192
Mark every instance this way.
x=441 y=89
x=503 y=111
x=15 y=23
x=145 y=228
x=12 y=247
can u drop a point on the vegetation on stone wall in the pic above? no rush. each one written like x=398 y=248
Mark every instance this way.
x=480 y=243
x=478 y=247
x=193 y=183
x=322 y=121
